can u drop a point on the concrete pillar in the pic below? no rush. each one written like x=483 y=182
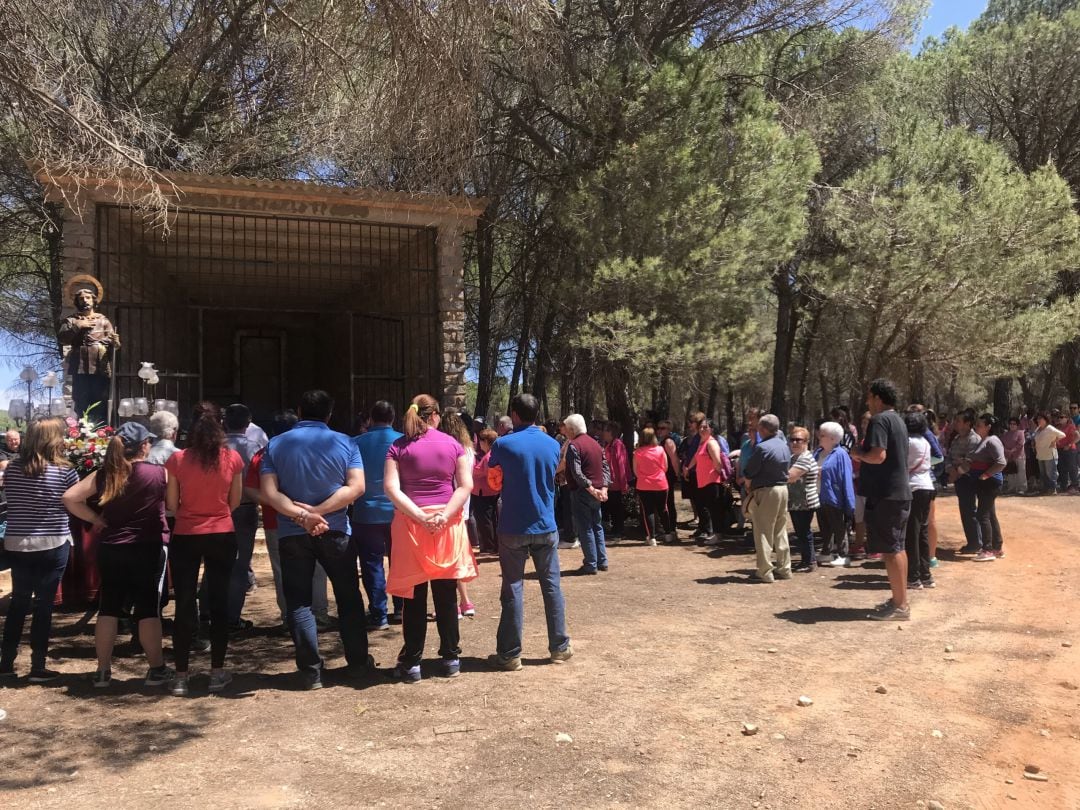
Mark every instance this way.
x=451 y=281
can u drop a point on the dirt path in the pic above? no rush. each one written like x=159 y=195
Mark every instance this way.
x=674 y=651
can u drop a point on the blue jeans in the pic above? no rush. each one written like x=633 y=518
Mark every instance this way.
x=966 y=501
x=804 y=535
x=514 y=550
x=245 y=524
x=336 y=553
x=1048 y=472
x=35 y=576
x=373 y=544
x=589 y=525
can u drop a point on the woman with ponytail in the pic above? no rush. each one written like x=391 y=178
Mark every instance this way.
x=204 y=488
x=428 y=478
x=130 y=511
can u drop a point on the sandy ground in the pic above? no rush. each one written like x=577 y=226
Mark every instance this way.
x=674 y=652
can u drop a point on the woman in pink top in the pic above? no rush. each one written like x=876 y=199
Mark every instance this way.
x=485 y=497
x=204 y=488
x=1014 y=440
x=650 y=467
x=428 y=478
x=614 y=508
x=713 y=470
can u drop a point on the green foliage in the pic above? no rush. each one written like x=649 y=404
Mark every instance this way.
x=685 y=222
x=950 y=255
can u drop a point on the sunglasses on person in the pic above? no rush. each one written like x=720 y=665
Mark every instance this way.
x=795 y=440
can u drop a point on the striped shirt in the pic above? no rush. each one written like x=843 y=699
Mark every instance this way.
x=37 y=519
x=803 y=494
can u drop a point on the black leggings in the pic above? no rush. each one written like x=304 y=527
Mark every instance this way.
x=414 y=622
x=834 y=531
x=918 y=536
x=186 y=552
x=715 y=503
x=654 y=511
x=614 y=509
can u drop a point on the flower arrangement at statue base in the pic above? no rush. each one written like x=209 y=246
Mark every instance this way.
x=86 y=443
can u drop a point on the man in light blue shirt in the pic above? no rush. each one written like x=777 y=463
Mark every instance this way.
x=373 y=513
x=310 y=475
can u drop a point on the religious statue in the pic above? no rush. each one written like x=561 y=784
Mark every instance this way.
x=93 y=342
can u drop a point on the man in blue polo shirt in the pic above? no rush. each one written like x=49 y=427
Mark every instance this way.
x=528 y=458
x=373 y=514
x=310 y=475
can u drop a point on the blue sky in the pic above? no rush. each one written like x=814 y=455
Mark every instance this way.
x=946 y=13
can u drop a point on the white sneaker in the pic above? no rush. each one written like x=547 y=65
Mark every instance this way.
x=650 y=541
x=839 y=562
x=575 y=544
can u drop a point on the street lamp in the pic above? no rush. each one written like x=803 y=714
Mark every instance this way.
x=50 y=381
x=28 y=376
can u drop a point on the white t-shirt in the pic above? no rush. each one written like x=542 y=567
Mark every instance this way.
x=918 y=463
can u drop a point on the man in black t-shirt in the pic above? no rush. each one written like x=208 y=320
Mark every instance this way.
x=883 y=478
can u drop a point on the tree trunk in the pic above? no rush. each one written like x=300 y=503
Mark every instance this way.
x=787 y=324
x=804 y=374
x=714 y=395
x=1027 y=392
x=823 y=384
x=1003 y=399
x=729 y=410
x=543 y=357
x=54 y=239
x=662 y=400
x=486 y=342
x=519 y=359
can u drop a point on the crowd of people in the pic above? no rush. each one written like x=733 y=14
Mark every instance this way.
x=394 y=515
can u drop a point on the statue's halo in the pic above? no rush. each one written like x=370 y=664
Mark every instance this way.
x=84 y=281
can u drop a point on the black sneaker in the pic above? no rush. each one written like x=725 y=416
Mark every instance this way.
x=312 y=681
x=915 y=585
x=157 y=676
x=43 y=675
x=601 y=568
x=200 y=645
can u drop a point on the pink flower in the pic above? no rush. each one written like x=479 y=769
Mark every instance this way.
x=102 y=434
x=73 y=433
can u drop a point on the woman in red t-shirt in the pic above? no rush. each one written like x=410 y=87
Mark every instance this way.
x=204 y=488
x=650 y=468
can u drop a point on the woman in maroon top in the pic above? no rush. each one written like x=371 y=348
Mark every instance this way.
x=129 y=494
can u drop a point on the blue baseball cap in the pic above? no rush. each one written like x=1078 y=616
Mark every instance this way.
x=133 y=434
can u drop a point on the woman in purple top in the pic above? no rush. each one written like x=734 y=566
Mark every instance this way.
x=129 y=497
x=428 y=478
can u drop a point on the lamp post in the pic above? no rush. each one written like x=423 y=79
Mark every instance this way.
x=50 y=381
x=28 y=376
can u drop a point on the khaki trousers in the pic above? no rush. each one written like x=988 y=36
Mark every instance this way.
x=770 y=515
